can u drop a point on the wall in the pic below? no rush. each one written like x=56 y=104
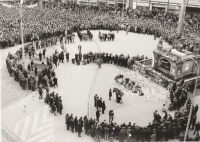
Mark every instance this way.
x=174 y=5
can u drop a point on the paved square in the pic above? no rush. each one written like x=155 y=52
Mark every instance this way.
x=77 y=87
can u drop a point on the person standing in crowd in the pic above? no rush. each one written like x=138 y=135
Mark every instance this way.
x=67 y=56
x=79 y=47
x=103 y=107
x=155 y=34
x=195 y=109
x=55 y=82
x=66 y=119
x=29 y=68
x=76 y=124
x=110 y=94
x=197 y=137
x=155 y=115
x=32 y=84
x=81 y=37
x=29 y=53
x=55 y=60
x=153 y=137
x=111 y=116
x=32 y=64
x=99 y=104
x=72 y=125
x=68 y=123
x=40 y=92
x=181 y=137
x=92 y=129
x=95 y=100
x=122 y=135
x=60 y=106
x=193 y=121
x=80 y=55
x=40 y=56
x=51 y=100
x=53 y=108
x=79 y=130
x=112 y=136
x=39 y=44
x=47 y=98
x=44 y=52
x=80 y=121
x=98 y=133
x=36 y=71
x=197 y=128
x=106 y=133
x=97 y=115
x=86 y=125
x=127 y=29
x=91 y=36
x=29 y=84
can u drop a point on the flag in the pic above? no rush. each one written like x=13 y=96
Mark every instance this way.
x=21 y=1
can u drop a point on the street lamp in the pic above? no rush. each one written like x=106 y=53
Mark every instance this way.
x=192 y=103
x=167 y=5
x=181 y=16
x=21 y=24
x=123 y=8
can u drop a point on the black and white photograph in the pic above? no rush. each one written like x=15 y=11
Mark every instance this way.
x=100 y=70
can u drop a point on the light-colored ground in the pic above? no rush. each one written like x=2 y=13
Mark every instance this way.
x=76 y=83
x=131 y=44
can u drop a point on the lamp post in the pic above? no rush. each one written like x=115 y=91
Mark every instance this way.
x=167 y=5
x=192 y=103
x=123 y=8
x=181 y=16
x=22 y=36
x=150 y=5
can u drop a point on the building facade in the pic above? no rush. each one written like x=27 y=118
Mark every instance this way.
x=167 y=5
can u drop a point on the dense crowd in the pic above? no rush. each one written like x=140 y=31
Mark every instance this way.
x=35 y=75
x=54 y=19
x=54 y=101
x=160 y=129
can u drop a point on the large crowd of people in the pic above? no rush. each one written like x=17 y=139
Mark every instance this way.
x=35 y=75
x=55 y=18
